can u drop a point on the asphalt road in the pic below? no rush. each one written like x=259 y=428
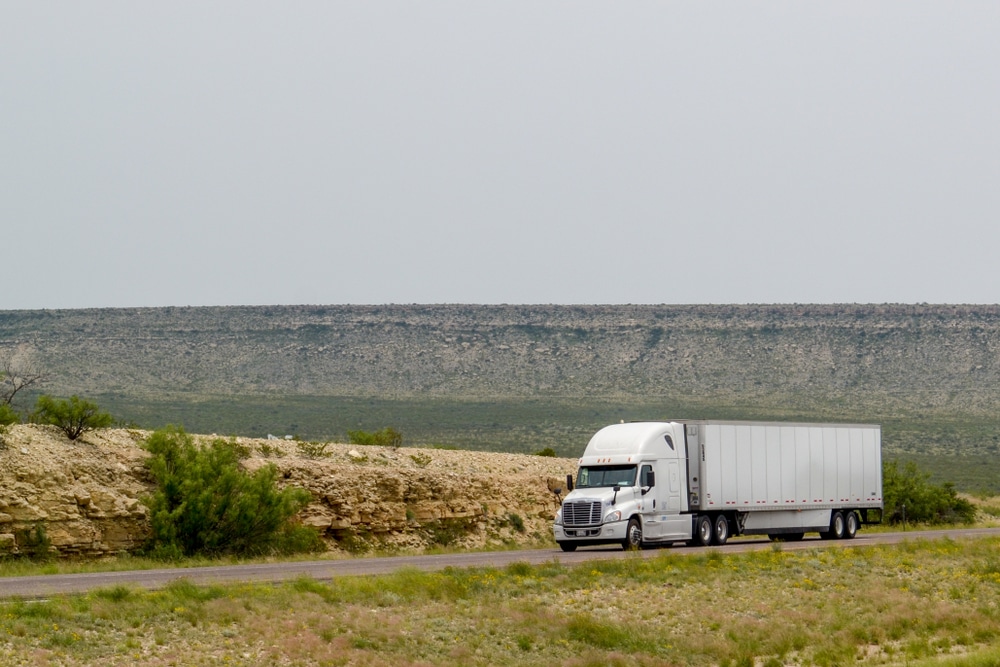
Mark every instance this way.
x=42 y=586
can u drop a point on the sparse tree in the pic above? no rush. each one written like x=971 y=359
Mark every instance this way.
x=74 y=416
x=16 y=376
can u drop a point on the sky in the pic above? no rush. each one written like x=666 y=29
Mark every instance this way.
x=246 y=153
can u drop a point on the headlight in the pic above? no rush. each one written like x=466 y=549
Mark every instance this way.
x=559 y=517
x=613 y=516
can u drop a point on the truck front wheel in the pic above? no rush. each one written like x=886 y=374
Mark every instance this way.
x=633 y=535
x=567 y=546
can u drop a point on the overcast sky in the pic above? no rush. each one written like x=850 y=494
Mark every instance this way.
x=227 y=153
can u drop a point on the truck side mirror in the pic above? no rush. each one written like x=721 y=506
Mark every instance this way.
x=569 y=482
x=648 y=482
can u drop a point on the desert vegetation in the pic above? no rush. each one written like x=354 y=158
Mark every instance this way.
x=910 y=496
x=206 y=504
x=919 y=603
x=73 y=416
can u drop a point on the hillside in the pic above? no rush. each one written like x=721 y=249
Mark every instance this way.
x=930 y=373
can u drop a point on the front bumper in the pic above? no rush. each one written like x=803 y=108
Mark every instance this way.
x=605 y=533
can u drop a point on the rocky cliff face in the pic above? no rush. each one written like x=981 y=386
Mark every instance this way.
x=905 y=354
x=87 y=495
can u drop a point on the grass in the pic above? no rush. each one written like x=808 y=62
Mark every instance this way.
x=920 y=603
x=953 y=446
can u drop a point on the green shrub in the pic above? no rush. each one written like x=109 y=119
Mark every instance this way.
x=34 y=542
x=386 y=437
x=548 y=451
x=909 y=495
x=313 y=450
x=206 y=503
x=420 y=459
x=7 y=418
x=269 y=451
x=7 y=415
x=74 y=416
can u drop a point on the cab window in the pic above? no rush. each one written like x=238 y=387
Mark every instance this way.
x=598 y=476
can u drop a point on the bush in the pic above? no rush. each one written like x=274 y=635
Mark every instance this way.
x=313 y=450
x=74 y=417
x=548 y=451
x=206 y=503
x=7 y=415
x=908 y=494
x=387 y=437
x=420 y=459
x=516 y=522
x=34 y=543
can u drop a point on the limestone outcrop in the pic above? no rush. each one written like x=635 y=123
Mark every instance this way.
x=86 y=496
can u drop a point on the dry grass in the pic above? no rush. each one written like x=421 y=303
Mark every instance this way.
x=869 y=606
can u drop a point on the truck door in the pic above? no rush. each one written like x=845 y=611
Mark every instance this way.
x=673 y=523
x=651 y=505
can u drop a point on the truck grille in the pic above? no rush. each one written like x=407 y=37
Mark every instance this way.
x=581 y=513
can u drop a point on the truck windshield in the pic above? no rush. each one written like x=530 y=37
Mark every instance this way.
x=593 y=476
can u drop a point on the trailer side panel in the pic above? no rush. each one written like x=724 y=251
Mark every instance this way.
x=757 y=467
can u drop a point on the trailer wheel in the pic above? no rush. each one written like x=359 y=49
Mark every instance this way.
x=633 y=535
x=721 y=530
x=837 y=526
x=703 y=531
x=850 y=525
x=567 y=546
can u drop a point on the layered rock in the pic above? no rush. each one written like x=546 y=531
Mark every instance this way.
x=86 y=496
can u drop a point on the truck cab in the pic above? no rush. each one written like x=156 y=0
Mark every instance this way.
x=630 y=488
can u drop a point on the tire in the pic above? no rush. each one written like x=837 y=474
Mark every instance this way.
x=850 y=525
x=720 y=532
x=633 y=535
x=567 y=546
x=837 y=526
x=703 y=531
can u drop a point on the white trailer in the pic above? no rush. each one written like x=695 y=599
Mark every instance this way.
x=702 y=481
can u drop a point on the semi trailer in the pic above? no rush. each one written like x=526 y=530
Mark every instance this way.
x=704 y=481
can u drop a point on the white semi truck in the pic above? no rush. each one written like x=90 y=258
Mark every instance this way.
x=702 y=481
